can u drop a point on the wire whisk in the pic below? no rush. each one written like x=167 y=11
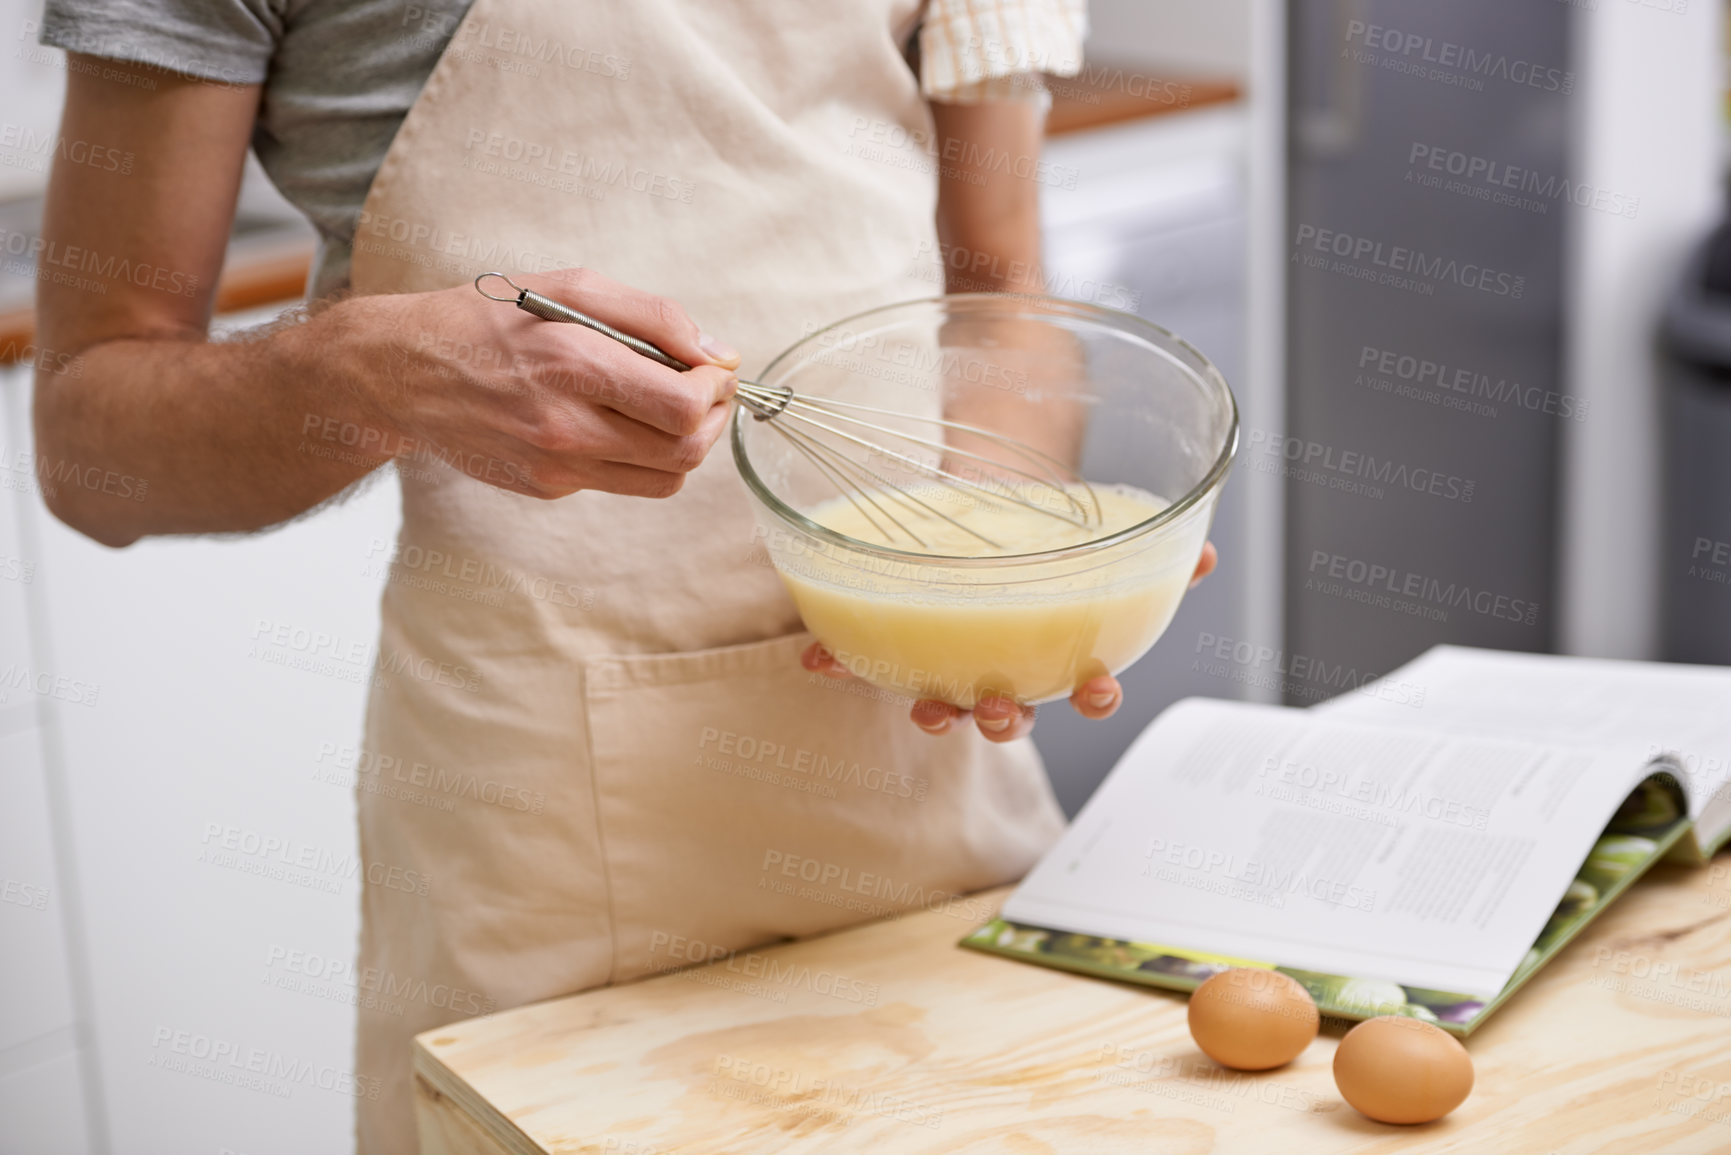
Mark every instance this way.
x=819 y=427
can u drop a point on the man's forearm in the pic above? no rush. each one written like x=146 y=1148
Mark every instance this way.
x=989 y=227
x=145 y=436
x=143 y=425
x=988 y=207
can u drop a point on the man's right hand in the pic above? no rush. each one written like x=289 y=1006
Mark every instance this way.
x=538 y=407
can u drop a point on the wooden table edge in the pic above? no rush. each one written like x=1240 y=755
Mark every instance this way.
x=451 y=1116
x=452 y=1119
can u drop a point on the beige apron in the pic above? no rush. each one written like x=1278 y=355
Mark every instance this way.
x=591 y=751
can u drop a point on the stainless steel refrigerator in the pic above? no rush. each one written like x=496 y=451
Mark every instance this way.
x=1428 y=183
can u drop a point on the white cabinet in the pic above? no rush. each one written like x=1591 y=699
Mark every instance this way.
x=42 y=1111
x=35 y=996
x=190 y=729
x=41 y=1091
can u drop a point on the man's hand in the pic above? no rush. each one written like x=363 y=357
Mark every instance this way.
x=537 y=407
x=1005 y=719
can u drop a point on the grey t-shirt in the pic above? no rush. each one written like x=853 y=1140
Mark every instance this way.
x=338 y=76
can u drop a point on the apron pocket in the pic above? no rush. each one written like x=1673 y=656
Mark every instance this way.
x=742 y=799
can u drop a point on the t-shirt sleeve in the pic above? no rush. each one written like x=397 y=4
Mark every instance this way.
x=973 y=50
x=226 y=40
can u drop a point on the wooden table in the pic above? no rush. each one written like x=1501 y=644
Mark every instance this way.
x=890 y=1038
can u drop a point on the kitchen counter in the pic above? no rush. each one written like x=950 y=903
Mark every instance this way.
x=1104 y=94
x=890 y=1038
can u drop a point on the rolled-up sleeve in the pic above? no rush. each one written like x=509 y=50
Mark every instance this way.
x=974 y=50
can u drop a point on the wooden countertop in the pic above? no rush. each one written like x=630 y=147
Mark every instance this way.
x=266 y=275
x=1105 y=94
x=890 y=1038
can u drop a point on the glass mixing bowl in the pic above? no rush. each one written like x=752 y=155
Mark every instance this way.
x=1131 y=407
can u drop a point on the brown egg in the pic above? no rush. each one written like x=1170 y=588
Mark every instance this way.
x=1399 y=1070
x=1252 y=1019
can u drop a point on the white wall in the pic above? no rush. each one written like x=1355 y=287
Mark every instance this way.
x=1648 y=124
x=42 y=1089
x=30 y=87
x=1190 y=37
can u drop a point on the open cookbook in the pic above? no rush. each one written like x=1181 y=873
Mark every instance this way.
x=1419 y=846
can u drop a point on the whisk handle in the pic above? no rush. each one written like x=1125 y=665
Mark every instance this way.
x=548 y=309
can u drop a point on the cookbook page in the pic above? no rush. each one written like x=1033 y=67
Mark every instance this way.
x=1678 y=713
x=1424 y=858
